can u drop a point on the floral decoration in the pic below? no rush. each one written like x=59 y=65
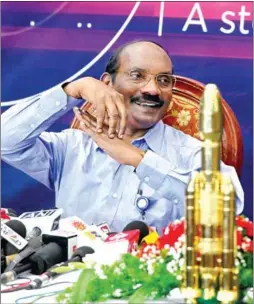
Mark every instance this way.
x=155 y=271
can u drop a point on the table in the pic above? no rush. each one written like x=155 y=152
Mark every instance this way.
x=15 y=297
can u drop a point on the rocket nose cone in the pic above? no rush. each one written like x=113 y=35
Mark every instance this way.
x=211 y=110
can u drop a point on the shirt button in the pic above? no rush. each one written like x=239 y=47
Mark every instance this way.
x=114 y=195
x=175 y=201
x=147 y=178
x=64 y=108
x=58 y=103
x=32 y=126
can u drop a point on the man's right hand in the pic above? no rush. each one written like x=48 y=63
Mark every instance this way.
x=105 y=100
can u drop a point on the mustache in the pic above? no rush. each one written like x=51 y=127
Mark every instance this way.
x=146 y=97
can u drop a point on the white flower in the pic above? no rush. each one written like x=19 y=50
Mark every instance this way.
x=117 y=293
x=146 y=248
x=150 y=271
x=183 y=117
x=153 y=248
x=154 y=293
x=137 y=286
x=117 y=270
x=174 y=253
x=103 y=277
x=152 y=255
x=181 y=263
x=144 y=255
x=249 y=296
x=166 y=232
x=149 y=262
x=122 y=266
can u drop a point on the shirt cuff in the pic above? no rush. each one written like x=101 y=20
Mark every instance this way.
x=56 y=100
x=153 y=169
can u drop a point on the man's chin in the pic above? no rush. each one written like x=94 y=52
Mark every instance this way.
x=146 y=123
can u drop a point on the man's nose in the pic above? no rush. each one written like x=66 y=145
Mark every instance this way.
x=151 y=87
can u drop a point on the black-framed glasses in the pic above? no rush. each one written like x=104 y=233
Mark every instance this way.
x=165 y=81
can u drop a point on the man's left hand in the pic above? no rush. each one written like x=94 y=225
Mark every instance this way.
x=120 y=150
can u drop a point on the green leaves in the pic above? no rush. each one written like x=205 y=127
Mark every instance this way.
x=138 y=296
x=130 y=278
x=79 y=291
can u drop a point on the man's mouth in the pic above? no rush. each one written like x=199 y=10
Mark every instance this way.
x=148 y=103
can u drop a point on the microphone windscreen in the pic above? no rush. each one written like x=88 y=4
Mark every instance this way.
x=45 y=257
x=138 y=225
x=20 y=229
x=35 y=242
x=81 y=252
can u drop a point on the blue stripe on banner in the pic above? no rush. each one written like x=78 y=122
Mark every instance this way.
x=137 y=24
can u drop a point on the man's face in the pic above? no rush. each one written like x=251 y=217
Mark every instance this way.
x=146 y=98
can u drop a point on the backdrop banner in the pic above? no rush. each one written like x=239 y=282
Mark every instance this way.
x=45 y=43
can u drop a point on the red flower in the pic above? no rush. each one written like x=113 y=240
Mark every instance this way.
x=239 y=237
x=247 y=246
x=172 y=233
x=4 y=216
x=249 y=229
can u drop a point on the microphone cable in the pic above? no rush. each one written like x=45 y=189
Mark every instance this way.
x=39 y=296
x=23 y=286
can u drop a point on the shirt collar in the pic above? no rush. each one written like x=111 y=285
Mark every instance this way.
x=153 y=138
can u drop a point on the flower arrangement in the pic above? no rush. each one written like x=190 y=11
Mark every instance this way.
x=154 y=271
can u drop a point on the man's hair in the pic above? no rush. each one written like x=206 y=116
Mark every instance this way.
x=114 y=62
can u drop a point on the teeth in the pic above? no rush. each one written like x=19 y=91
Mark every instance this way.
x=145 y=104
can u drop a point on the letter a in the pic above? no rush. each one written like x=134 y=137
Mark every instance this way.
x=200 y=21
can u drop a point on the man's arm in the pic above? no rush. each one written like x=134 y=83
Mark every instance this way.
x=25 y=145
x=158 y=174
x=154 y=170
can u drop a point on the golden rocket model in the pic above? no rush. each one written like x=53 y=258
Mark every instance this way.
x=210 y=215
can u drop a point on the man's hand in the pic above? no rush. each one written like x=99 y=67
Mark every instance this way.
x=104 y=99
x=120 y=150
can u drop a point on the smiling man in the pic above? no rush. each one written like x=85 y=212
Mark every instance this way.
x=125 y=164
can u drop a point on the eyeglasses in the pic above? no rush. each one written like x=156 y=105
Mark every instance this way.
x=141 y=77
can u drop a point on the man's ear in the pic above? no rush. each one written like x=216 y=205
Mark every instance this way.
x=107 y=79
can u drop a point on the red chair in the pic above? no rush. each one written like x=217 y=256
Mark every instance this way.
x=183 y=114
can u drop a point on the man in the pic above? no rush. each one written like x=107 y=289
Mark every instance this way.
x=134 y=168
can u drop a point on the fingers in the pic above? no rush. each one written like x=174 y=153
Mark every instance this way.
x=84 y=123
x=113 y=117
x=100 y=114
x=123 y=115
x=106 y=101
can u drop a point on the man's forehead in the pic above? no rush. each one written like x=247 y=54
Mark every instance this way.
x=146 y=56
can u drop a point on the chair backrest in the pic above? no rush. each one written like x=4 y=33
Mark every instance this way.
x=183 y=114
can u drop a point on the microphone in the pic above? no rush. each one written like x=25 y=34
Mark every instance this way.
x=66 y=239
x=15 y=259
x=138 y=225
x=43 y=221
x=13 y=235
x=77 y=256
x=15 y=254
x=43 y=259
